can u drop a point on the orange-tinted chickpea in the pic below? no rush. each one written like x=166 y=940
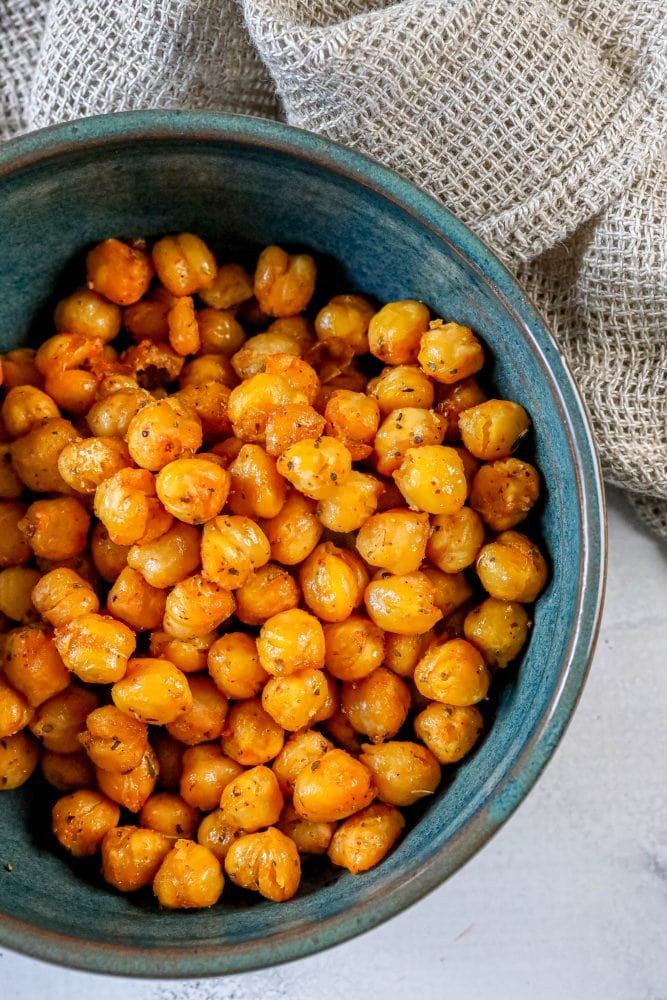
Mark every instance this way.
x=332 y=788
x=309 y=837
x=504 y=492
x=208 y=368
x=339 y=728
x=110 y=417
x=35 y=455
x=449 y=352
x=254 y=356
x=161 y=432
x=499 y=629
x=82 y=820
x=454 y=399
x=131 y=788
x=404 y=429
x=512 y=568
x=169 y=814
x=404 y=385
x=132 y=857
x=15 y=712
x=206 y=772
x=331 y=701
x=394 y=333
x=190 y=877
x=252 y=801
x=109 y=557
x=95 y=647
x=43 y=526
x=16 y=587
x=251 y=403
x=449 y=732
x=220 y=332
x=283 y=284
x=169 y=753
x=194 y=489
x=169 y=558
x=301 y=748
x=289 y=641
x=113 y=740
x=377 y=705
x=214 y=833
x=11 y=486
x=403 y=772
x=403 y=652
x=87 y=463
x=289 y=424
x=19 y=755
x=344 y=319
x=295 y=701
x=453 y=673
x=82 y=565
x=58 y=721
x=233 y=547
x=234 y=665
x=316 y=468
x=208 y=401
x=266 y=592
x=364 y=839
x=266 y=862
x=298 y=373
x=231 y=286
x=353 y=648
x=451 y=590
x=18 y=368
x=353 y=503
x=330 y=586
x=205 y=718
x=32 y=664
x=256 y=490
x=14 y=548
x=147 y=319
x=455 y=540
x=294 y=532
x=402 y=604
x=189 y=655
x=493 y=429
x=128 y=508
x=87 y=314
x=184 y=264
x=251 y=736
x=24 y=407
x=353 y=418
x=136 y=602
x=119 y=272
x=195 y=607
x=66 y=771
x=394 y=540
x=299 y=328
x=73 y=367
x=152 y=691
x=183 y=329
x=153 y=365
x=432 y=479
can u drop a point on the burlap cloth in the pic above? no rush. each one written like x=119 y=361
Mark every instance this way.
x=541 y=123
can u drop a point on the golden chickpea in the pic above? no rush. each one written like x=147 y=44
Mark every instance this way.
x=152 y=691
x=266 y=862
x=345 y=319
x=364 y=839
x=220 y=332
x=403 y=652
x=25 y=407
x=499 y=629
x=205 y=719
x=289 y=424
x=266 y=592
x=254 y=356
x=183 y=328
x=309 y=837
x=128 y=508
x=403 y=604
x=193 y=489
x=82 y=820
x=131 y=857
x=331 y=702
x=394 y=333
x=332 y=788
x=453 y=673
x=251 y=403
x=117 y=381
x=95 y=647
x=330 y=586
x=512 y=568
x=168 y=559
x=252 y=801
x=43 y=524
x=295 y=701
x=170 y=815
x=190 y=877
x=32 y=664
x=110 y=417
x=109 y=557
x=337 y=373
x=72 y=367
x=131 y=788
x=231 y=286
x=339 y=729
x=283 y=284
x=354 y=502
x=184 y=264
x=119 y=272
x=234 y=665
x=66 y=771
x=208 y=368
x=504 y=492
x=85 y=464
x=353 y=418
x=377 y=705
x=114 y=741
x=449 y=352
x=404 y=429
x=189 y=655
x=294 y=532
x=455 y=540
x=251 y=736
x=15 y=712
x=82 y=565
x=454 y=399
x=14 y=548
x=301 y=748
x=394 y=540
x=19 y=755
x=136 y=602
x=449 y=732
x=214 y=833
x=161 y=432
x=195 y=607
x=11 y=486
x=87 y=314
x=206 y=772
x=404 y=385
x=18 y=368
x=432 y=479
x=16 y=587
x=493 y=429
x=403 y=772
x=58 y=722
x=451 y=590
x=256 y=490
x=298 y=373
x=299 y=328
x=169 y=753
x=353 y=648
x=153 y=365
x=208 y=401
x=35 y=455
x=147 y=319
x=316 y=468
x=232 y=548
x=291 y=640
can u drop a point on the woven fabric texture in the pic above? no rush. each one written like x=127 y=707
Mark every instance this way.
x=541 y=123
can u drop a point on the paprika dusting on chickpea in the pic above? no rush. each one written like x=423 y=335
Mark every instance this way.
x=258 y=569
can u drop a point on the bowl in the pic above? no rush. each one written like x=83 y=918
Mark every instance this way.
x=242 y=183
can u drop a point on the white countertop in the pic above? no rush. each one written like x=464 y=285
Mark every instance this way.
x=568 y=901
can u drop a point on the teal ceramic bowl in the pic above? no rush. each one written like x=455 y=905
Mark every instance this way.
x=242 y=183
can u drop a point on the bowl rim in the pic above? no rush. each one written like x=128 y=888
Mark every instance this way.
x=205 y=126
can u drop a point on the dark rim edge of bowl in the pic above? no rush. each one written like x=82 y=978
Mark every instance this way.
x=184 y=126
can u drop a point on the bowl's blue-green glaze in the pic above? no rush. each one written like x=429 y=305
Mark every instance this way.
x=239 y=181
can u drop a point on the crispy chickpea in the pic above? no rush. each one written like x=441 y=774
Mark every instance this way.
x=345 y=319
x=338 y=727
x=85 y=464
x=25 y=407
x=266 y=592
x=291 y=640
x=404 y=429
x=499 y=629
x=214 y=833
x=332 y=788
x=170 y=815
x=62 y=595
x=189 y=655
x=403 y=772
x=208 y=401
x=136 y=602
x=11 y=486
x=266 y=862
x=128 y=508
x=169 y=558
x=19 y=755
x=35 y=455
x=169 y=753
x=234 y=665
x=147 y=319
x=353 y=503
x=254 y=356
x=376 y=705
x=208 y=368
x=190 y=877
x=131 y=788
x=109 y=558
x=455 y=540
x=298 y=373
x=231 y=286
x=353 y=418
x=295 y=701
x=283 y=284
x=251 y=403
x=15 y=712
x=493 y=429
x=206 y=772
x=119 y=272
x=153 y=365
x=18 y=368
x=233 y=547
x=58 y=721
x=184 y=264
x=131 y=857
x=294 y=532
x=43 y=526
x=256 y=488
x=116 y=381
x=432 y=479
x=82 y=820
x=353 y=648
x=73 y=367
x=183 y=328
x=309 y=837
x=449 y=352
x=512 y=568
x=82 y=565
x=152 y=691
x=454 y=399
x=161 y=432
x=404 y=385
x=316 y=468
x=289 y=424
x=403 y=604
x=110 y=416
x=299 y=328
x=95 y=647
x=451 y=590
x=394 y=333
x=449 y=732
x=252 y=801
x=330 y=586
x=16 y=586
x=364 y=839
x=32 y=664
x=114 y=741
x=394 y=540
x=338 y=374
x=301 y=748
x=403 y=652
x=251 y=736
x=504 y=492
x=88 y=314
x=14 y=548
x=193 y=489
x=220 y=332
x=66 y=771
x=205 y=719
x=195 y=607
x=331 y=701
x=453 y=673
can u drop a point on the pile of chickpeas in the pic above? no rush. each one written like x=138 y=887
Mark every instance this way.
x=254 y=585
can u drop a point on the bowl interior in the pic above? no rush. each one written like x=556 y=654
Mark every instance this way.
x=242 y=185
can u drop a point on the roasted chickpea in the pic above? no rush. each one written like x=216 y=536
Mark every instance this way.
x=208 y=401
x=376 y=705
x=214 y=833
x=168 y=559
x=499 y=629
x=85 y=464
x=35 y=455
x=234 y=665
x=153 y=691
x=153 y=365
x=404 y=429
x=316 y=468
x=73 y=367
x=119 y=272
x=256 y=490
x=251 y=736
x=194 y=489
x=254 y=356
x=161 y=432
x=449 y=732
x=330 y=586
x=455 y=540
x=283 y=284
x=170 y=815
x=195 y=607
x=451 y=590
x=294 y=532
x=19 y=755
x=25 y=407
x=110 y=417
x=301 y=748
x=339 y=728
x=231 y=286
x=131 y=788
x=131 y=857
x=18 y=368
x=403 y=772
x=291 y=640
x=189 y=655
x=266 y=592
x=252 y=801
x=169 y=753
x=88 y=314
x=205 y=719
x=220 y=332
x=432 y=478
x=183 y=328
x=15 y=712
x=43 y=524
x=309 y=837
x=189 y=877
x=403 y=604
x=394 y=333
x=295 y=701
x=266 y=862
x=32 y=664
x=95 y=647
x=364 y=839
x=251 y=403
x=184 y=264
x=113 y=740
x=232 y=548
x=512 y=568
x=147 y=319
x=449 y=352
x=11 y=486
x=353 y=503
x=206 y=772
x=453 y=673
x=454 y=399
x=128 y=508
x=109 y=557
x=353 y=418
x=353 y=648
x=504 y=492
x=332 y=788
x=290 y=424
x=298 y=373
x=82 y=820
x=404 y=385
x=16 y=587
x=345 y=319
x=136 y=602
x=66 y=771
x=493 y=429
x=394 y=540
x=403 y=652
x=58 y=722
x=14 y=548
